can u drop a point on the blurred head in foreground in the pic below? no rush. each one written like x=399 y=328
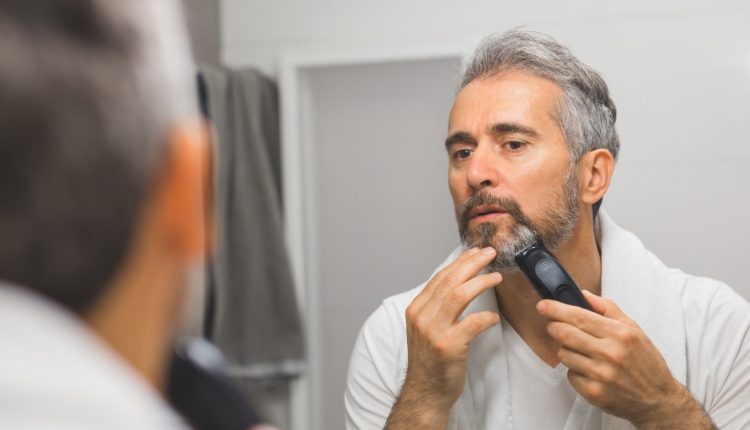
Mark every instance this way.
x=101 y=156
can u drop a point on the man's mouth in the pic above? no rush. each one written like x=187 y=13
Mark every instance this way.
x=486 y=212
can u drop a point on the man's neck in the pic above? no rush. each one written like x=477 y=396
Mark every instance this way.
x=517 y=299
x=136 y=318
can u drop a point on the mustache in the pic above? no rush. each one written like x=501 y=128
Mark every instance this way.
x=478 y=199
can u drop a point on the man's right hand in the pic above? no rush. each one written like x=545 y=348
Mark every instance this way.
x=438 y=341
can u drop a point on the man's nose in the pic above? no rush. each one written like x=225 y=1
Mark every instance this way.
x=483 y=169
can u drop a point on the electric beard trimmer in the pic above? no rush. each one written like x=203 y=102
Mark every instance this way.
x=548 y=276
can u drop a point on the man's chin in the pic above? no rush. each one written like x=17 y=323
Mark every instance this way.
x=507 y=245
x=505 y=261
x=504 y=267
x=489 y=233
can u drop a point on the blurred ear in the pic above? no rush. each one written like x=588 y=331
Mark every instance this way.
x=595 y=173
x=180 y=203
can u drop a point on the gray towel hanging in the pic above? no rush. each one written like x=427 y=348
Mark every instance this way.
x=256 y=320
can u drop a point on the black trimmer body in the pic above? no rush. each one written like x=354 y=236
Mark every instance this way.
x=548 y=276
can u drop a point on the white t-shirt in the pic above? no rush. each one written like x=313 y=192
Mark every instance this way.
x=541 y=396
x=718 y=363
x=701 y=326
x=56 y=374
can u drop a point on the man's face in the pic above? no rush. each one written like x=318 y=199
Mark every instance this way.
x=509 y=172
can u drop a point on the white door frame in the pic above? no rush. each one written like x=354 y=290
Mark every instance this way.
x=299 y=196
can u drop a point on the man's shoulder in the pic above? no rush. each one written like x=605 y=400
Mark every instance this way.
x=625 y=255
x=710 y=298
x=717 y=334
x=717 y=323
x=392 y=310
x=401 y=301
x=49 y=357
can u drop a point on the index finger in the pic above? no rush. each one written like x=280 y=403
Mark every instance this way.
x=457 y=274
x=588 y=321
x=427 y=291
x=468 y=269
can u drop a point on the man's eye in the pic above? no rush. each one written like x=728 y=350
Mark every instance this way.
x=514 y=145
x=462 y=154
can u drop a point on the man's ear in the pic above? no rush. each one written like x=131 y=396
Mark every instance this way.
x=180 y=194
x=595 y=173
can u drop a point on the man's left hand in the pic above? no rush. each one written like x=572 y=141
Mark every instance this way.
x=614 y=365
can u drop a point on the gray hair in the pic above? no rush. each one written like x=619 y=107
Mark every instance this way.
x=586 y=113
x=89 y=90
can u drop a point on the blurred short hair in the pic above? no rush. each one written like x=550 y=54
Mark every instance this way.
x=89 y=90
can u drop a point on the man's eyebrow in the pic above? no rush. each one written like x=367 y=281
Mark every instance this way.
x=459 y=136
x=509 y=127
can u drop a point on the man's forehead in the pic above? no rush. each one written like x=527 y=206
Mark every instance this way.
x=508 y=97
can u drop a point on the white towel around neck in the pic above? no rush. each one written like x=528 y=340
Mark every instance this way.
x=634 y=279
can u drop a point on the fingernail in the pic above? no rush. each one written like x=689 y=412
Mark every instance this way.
x=488 y=251
x=540 y=306
x=473 y=251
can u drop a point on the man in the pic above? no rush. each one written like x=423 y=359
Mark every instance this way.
x=101 y=217
x=532 y=147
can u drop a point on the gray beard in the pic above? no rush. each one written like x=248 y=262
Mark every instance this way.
x=554 y=228
x=521 y=237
